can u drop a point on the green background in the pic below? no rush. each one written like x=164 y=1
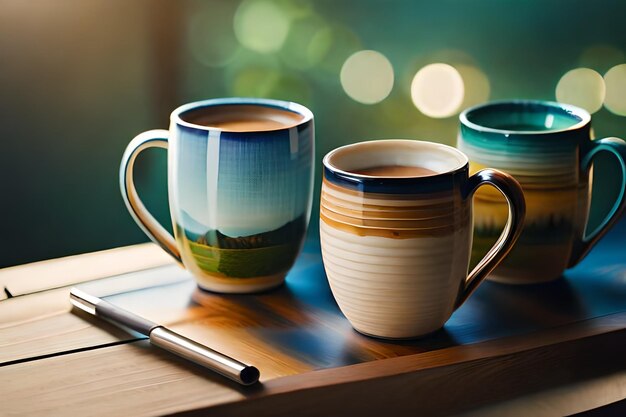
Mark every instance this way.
x=80 y=78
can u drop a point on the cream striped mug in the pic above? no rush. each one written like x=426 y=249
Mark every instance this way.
x=396 y=233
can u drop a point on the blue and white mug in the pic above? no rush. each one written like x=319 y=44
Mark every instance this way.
x=240 y=182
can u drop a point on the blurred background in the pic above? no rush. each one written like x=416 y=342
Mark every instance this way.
x=80 y=78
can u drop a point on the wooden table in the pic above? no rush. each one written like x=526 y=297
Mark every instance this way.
x=555 y=349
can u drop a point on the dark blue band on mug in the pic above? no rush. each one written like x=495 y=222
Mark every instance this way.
x=180 y=115
x=446 y=168
x=405 y=185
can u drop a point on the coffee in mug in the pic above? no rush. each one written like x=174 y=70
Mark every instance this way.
x=395 y=171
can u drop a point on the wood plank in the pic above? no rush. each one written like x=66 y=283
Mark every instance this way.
x=272 y=360
x=301 y=321
x=18 y=310
x=280 y=330
x=431 y=384
x=122 y=380
x=306 y=349
x=56 y=301
x=612 y=327
x=299 y=327
x=136 y=379
x=564 y=400
x=55 y=335
x=55 y=273
x=43 y=323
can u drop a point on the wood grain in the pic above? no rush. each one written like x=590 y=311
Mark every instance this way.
x=24 y=308
x=568 y=399
x=300 y=323
x=504 y=342
x=18 y=310
x=136 y=379
x=279 y=331
x=38 y=276
x=43 y=323
x=121 y=380
x=431 y=384
x=54 y=335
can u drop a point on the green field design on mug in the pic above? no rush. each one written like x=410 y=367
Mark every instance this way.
x=257 y=255
x=541 y=237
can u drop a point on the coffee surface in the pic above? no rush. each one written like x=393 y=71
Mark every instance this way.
x=395 y=171
x=247 y=125
x=243 y=118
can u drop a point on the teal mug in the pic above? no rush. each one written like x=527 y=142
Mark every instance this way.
x=240 y=185
x=548 y=148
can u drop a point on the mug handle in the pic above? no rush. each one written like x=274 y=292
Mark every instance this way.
x=617 y=147
x=151 y=139
x=512 y=191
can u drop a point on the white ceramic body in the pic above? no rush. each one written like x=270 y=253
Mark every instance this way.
x=395 y=288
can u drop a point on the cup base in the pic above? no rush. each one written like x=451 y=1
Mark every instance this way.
x=400 y=338
x=260 y=284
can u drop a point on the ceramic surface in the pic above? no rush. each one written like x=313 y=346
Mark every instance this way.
x=396 y=249
x=240 y=202
x=547 y=147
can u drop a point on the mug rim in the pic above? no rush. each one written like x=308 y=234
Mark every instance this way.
x=579 y=112
x=289 y=106
x=328 y=164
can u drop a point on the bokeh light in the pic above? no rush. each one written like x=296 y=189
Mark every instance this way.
x=320 y=45
x=367 y=77
x=296 y=9
x=582 y=87
x=211 y=38
x=454 y=57
x=476 y=85
x=261 y=25
x=306 y=43
x=615 y=99
x=246 y=59
x=330 y=47
x=263 y=81
x=438 y=90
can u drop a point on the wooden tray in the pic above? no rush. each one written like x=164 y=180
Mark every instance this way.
x=505 y=341
x=299 y=327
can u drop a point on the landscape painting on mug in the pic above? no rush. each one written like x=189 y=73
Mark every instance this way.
x=239 y=200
